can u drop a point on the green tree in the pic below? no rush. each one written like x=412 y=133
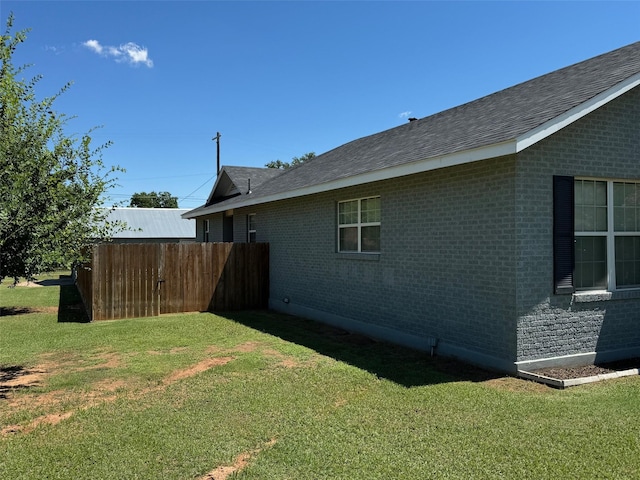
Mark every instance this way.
x=153 y=200
x=294 y=161
x=277 y=164
x=50 y=183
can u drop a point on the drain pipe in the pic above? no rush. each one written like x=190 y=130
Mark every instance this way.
x=432 y=343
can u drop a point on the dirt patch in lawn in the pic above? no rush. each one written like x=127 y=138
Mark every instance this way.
x=199 y=367
x=54 y=363
x=223 y=472
x=62 y=404
x=19 y=378
x=16 y=377
x=104 y=391
x=51 y=419
x=246 y=347
x=107 y=360
x=283 y=360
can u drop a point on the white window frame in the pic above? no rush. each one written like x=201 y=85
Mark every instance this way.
x=206 y=231
x=610 y=235
x=359 y=225
x=249 y=229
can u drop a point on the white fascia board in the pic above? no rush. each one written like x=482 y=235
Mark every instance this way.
x=196 y=212
x=213 y=189
x=215 y=185
x=552 y=126
x=434 y=163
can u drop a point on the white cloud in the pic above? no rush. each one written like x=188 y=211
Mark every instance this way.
x=130 y=52
x=54 y=49
x=93 y=45
x=404 y=114
x=136 y=54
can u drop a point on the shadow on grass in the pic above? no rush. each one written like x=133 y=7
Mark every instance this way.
x=398 y=364
x=9 y=379
x=70 y=306
x=12 y=311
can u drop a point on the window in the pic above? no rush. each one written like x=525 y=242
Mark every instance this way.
x=206 y=231
x=251 y=228
x=607 y=234
x=359 y=225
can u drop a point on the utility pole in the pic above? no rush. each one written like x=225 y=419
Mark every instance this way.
x=217 y=140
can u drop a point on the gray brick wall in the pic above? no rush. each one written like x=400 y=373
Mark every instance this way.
x=240 y=227
x=215 y=228
x=446 y=267
x=466 y=252
x=605 y=144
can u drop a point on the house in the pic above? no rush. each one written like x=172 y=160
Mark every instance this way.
x=231 y=182
x=152 y=225
x=504 y=232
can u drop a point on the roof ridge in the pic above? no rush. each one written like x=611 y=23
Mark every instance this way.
x=492 y=122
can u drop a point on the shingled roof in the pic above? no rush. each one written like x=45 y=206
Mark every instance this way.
x=234 y=181
x=502 y=123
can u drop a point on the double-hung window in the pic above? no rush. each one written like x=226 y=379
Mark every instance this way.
x=607 y=234
x=206 y=231
x=359 y=225
x=251 y=228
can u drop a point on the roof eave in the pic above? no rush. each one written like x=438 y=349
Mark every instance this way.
x=215 y=185
x=552 y=126
x=434 y=163
x=507 y=147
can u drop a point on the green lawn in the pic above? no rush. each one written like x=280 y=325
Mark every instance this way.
x=264 y=396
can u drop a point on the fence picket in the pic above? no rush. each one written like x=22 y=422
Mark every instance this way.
x=143 y=280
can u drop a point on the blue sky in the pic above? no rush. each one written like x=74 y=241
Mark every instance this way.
x=280 y=79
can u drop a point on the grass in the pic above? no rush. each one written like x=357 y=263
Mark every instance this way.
x=257 y=395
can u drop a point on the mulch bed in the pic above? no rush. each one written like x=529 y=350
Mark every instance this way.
x=568 y=373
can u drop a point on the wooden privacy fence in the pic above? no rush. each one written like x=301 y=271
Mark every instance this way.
x=144 y=280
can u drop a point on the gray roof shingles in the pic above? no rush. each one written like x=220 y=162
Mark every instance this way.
x=496 y=118
x=240 y=176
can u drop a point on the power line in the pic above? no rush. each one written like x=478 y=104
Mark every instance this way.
x=205 y=183
x=170 y=176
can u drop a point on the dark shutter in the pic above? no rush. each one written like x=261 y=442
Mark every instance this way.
x=563 y=235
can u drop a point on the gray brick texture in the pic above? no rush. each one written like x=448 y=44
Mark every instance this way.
x=466 y=251
x=606 y=145
x=446 y=267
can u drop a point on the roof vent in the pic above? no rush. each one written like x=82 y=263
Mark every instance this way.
x=412 y=119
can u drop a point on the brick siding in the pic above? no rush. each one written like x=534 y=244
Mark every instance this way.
x=446 y=266
x=605 y=144
x=466 y=252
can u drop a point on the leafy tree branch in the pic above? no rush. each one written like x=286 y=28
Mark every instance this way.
x=50 y=183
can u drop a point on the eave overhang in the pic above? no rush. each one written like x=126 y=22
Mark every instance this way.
x=508 y=147
x=552 y=126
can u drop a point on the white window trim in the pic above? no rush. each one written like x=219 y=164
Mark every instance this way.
x=611 y=235
x=249 y=230
x=358 y=225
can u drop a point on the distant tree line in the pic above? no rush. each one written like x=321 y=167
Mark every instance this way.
x=153 y=200
x=294 y=161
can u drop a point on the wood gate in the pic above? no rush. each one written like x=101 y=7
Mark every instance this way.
x=143 y=280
